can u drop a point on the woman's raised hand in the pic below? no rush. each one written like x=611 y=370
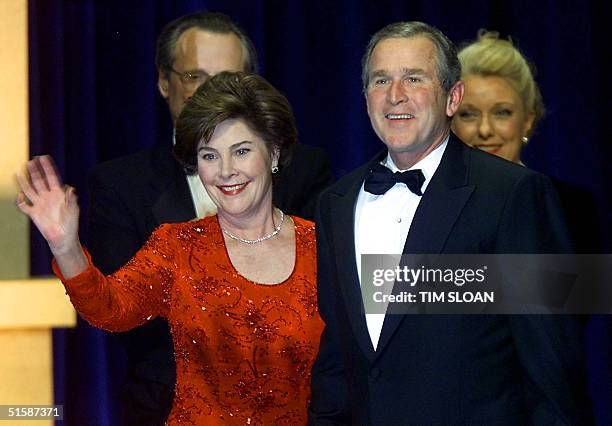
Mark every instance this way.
x=51 y=205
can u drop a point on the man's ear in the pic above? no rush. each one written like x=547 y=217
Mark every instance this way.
x=163 y=84
x=454 y=98
x=365 y=96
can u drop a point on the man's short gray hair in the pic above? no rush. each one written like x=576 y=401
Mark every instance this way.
x=448 y=65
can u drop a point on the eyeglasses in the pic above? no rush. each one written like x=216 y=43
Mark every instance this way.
x=191 y=80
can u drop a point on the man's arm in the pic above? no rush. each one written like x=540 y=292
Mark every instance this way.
x=550 y=347
x=329 y=403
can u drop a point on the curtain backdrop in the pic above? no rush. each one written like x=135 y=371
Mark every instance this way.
x=93 y=97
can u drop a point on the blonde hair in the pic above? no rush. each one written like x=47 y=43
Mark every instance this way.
x=491 y=56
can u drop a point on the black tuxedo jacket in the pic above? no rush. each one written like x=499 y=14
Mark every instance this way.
x=581 y=215
x=447 y=369
x=129 y=198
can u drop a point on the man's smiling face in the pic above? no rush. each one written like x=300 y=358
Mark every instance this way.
x=407 y=106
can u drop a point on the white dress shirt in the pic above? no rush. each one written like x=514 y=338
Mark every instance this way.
x=202 y=202
x=382 y=221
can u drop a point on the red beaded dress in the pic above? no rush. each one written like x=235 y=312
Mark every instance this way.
x=243 y=350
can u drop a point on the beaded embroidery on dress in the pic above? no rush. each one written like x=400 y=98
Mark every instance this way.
x=243 y=350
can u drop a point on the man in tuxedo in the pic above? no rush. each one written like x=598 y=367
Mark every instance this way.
x=131 y=196
x=429 y=193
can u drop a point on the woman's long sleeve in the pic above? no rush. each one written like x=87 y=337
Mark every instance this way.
x=134 y=294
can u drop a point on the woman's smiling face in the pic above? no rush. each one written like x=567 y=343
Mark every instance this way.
x=235 y=168
x=492 y=117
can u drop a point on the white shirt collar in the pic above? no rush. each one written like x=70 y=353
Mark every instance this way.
x=428 y=165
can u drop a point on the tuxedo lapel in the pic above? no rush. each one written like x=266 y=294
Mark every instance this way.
x=438 y=211
x=442 y=202
x=174 y=203
x=343 y=235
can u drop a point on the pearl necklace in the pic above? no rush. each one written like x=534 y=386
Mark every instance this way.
x=260 y=239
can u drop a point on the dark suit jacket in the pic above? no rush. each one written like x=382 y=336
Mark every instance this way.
x=452 y=369
x=581 y=215
x=129 y=198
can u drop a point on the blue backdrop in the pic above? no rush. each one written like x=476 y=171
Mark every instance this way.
x=93 y=87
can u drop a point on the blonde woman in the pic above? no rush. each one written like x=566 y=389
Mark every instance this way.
x=502 y=102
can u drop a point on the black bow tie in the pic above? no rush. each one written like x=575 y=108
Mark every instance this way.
x=381 y=179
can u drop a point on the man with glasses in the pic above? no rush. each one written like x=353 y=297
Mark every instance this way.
x=131 y=196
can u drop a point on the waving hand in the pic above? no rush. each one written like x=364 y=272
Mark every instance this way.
x=54 y=210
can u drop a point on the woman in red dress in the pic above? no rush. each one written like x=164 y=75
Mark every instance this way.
x=238 y=288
